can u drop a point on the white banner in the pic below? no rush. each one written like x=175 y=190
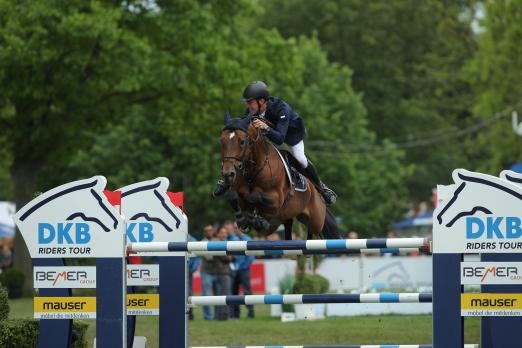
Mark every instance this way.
x=478 y=273
x=478 y=214
x=73 y=220
x=151 y=216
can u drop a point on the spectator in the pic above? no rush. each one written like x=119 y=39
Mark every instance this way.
x=231 y=231
x=193 y=263
x=273 y=237
x=6 y=253
x=241 y=276
x=391 y=235
x=208 y=273
x=353 y=235
x=222 y=275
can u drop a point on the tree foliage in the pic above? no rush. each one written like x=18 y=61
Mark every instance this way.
x=494 y=73
x=406 y=57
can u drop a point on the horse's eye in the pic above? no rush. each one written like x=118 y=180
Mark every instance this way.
x=242 y=142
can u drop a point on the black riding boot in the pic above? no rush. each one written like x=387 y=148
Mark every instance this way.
x=220 y=189
x=329 y=196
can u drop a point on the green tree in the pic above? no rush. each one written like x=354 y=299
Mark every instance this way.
x=495 y=73
x=406 y=58
x=65 y=67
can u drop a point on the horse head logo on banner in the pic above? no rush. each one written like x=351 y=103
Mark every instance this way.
x=72 y=220
x=479 y=213
x=150 y=214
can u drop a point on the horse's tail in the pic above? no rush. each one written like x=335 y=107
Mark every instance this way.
x=330 y=230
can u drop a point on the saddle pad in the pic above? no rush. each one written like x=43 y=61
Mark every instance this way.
x=294 y=177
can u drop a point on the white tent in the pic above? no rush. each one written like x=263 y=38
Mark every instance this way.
x=7 y=226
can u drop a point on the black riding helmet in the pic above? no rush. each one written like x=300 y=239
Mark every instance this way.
x=256 y=90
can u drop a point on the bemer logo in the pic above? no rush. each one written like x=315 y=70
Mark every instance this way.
x=138 y=273
x=494 y=272
x=71 y=276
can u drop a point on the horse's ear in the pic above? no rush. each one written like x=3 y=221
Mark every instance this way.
x=227 y=118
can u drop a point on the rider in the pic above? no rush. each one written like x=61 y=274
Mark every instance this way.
x=286 y=127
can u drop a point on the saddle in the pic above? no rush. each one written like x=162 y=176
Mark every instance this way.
x=296 y=179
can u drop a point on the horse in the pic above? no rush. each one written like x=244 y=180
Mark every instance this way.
x=259 y=186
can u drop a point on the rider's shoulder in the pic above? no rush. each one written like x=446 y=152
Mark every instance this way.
x=277 y=104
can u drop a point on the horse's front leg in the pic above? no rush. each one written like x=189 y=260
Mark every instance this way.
x=233 y=199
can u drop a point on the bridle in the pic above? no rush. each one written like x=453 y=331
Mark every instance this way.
x=245 y=160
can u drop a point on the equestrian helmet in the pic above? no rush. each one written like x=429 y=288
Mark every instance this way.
x=256 y=90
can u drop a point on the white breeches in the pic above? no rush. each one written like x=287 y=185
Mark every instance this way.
x=298 y=152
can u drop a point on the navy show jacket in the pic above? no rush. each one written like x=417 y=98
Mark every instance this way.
x=286 y=124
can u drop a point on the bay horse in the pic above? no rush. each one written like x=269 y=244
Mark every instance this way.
x=260 y=191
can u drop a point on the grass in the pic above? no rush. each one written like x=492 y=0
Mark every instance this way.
x=265 y=330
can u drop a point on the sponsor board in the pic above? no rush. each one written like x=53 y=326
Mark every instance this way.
x=65 y=307
x=64 y=277
x=490 y=305
x=74 y=220
x=479 y=213
x=143 y=275
x=151 y=216
x=478 y=273
x=75 y=277
x=143 y=304
x=84 y=307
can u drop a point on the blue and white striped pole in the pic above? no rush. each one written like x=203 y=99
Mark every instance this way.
x=350 y=346
x=240 y=246
x=380 y=251
x=309 y=298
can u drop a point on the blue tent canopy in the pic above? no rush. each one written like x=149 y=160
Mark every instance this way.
x=517 y=167
x=424 y=219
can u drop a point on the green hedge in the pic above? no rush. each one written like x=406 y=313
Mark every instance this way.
x=310 y=284
x=13 y=279
x=4 y=304
x=23 y=333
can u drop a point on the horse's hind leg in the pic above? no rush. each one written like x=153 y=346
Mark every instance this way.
x=288 y=229
x=233 y=199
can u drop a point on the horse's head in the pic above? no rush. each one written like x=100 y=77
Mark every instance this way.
x=236 y=146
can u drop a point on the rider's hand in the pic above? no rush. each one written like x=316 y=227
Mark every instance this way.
x=260 y=124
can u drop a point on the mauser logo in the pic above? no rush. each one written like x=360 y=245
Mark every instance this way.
x=490 y=272
x=72 y=276
x=493 y=302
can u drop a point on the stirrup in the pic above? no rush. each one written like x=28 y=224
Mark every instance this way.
x=220 y=189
